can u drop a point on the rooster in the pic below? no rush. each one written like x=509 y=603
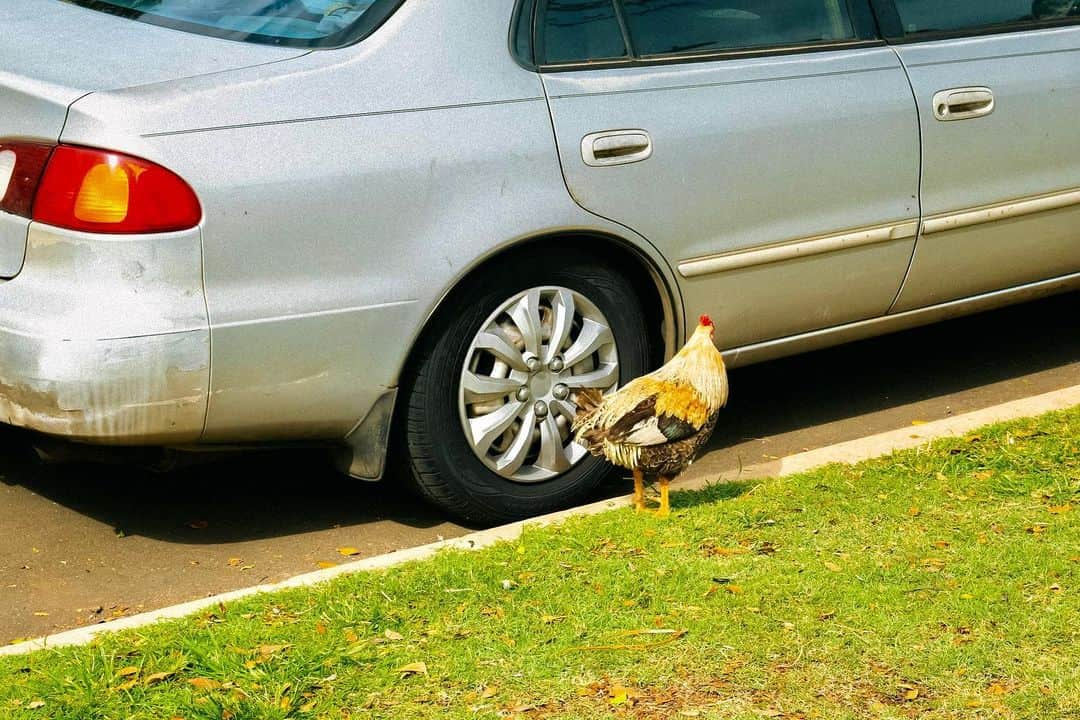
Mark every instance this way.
x=656 y=424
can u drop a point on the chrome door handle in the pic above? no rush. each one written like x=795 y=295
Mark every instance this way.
x=963 y=103
x=616 y=147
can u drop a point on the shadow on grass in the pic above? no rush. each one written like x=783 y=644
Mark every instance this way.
x=717 y=492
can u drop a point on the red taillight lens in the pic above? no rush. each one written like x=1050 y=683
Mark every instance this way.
x=21 y=165
x=109 y=192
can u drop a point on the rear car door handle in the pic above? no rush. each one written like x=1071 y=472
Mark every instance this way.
x=963 y=103
x=616 y=147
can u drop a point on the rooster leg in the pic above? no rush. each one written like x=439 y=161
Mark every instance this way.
x=639 y=491
x=665 y=507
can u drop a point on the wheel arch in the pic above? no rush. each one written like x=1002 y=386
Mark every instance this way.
x=653 y=281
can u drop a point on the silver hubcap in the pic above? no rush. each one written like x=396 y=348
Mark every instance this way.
x=515 y=392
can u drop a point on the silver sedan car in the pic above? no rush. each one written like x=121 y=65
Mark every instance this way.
x=412 y=230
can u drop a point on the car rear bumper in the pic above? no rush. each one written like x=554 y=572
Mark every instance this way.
x=105 y=338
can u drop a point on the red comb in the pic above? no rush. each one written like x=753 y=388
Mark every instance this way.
x=705 y=320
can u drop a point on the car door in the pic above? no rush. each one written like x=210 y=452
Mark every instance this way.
x=770 y=150
x=998 y=89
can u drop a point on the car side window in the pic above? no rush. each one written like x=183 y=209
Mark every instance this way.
x=926 y=16
x=573 y=31
x=665 y=27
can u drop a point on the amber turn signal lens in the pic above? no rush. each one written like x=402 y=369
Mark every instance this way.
x=108 y=192
x=103 y=196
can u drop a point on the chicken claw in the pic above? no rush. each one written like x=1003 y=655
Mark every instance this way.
x=665 y=501
x=639 y=491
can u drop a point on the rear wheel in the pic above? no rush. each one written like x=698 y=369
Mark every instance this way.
x=487 y=412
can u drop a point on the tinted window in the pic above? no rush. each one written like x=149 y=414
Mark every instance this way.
x=660 y=27
x=580 y=30
x=298 y=23
x=523 y=23
x=919 y=16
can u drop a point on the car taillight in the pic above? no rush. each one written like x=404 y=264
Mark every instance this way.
x=109 y=192
x=21 y=165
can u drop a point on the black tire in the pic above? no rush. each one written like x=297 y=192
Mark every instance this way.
x=440 y=462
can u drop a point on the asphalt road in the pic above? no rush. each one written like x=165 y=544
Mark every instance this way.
x=82 y=544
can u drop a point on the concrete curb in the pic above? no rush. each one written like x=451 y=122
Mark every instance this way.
x=847 y=452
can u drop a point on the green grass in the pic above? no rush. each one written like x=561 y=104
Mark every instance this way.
x=936 y=583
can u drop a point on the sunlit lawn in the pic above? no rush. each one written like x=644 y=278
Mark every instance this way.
x=939 y=583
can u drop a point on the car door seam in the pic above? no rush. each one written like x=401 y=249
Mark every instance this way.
x=918 y=186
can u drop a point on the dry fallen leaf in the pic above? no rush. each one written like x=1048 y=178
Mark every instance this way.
x=268 y=650
x=714 y=551
x=933 y=564
x=127 y=671
x=1059 y=509
x=348 y=551
x=914 y=511
x=123 y=687
x=324 y=564
x=831 y=566
x=416 y=668
x=204 y=684
x=157 y=677
x=35 y=705
x=393 y=636
x=489 y=692
x=618 y=694
x=918 y=422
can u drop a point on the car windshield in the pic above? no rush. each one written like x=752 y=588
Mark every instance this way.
x=297 y=23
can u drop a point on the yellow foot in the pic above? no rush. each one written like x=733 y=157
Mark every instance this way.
x=662 y=512
x=639 y=491
x=665 y=502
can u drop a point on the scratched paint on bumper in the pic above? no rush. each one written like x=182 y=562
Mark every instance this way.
x=105 y=338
